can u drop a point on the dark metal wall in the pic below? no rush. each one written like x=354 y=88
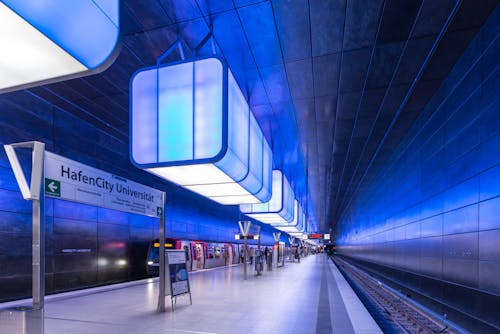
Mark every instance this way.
x=87 y=245
x=431 y=218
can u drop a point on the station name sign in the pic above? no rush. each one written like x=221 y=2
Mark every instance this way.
x=249 y=237
x=318 y=236
x=74 y=181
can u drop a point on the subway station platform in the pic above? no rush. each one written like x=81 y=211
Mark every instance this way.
x=306 y=297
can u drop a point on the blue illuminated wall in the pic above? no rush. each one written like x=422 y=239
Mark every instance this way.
x=431 y=218
x=105 y=236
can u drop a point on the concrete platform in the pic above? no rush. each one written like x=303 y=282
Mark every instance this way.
x=307 y=297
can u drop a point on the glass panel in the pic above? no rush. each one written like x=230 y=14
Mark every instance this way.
x=80 y=28
x=175 y=113
x=208 y=108
x=253 y=181
x=232 y=200
x=28 y=55
x=288 y=199
x=276 y=202
x=192 y=174
x=235 y=162
x=219 y=189
x=144 y=140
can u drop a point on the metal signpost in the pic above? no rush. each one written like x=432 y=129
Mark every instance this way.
x=277 y=236
x=33 y=193
x=63 y=178
x=244 y=228
x=258 y=256
x=291 y=239
x=161 y=273
x=171 y=262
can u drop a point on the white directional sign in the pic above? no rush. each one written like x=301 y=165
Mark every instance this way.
x=74 y=181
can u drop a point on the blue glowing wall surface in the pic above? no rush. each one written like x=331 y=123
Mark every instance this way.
x=88 y=30
x=434 y=209
x=101 y=234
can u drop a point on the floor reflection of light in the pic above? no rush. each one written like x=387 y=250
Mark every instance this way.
x=150 y=290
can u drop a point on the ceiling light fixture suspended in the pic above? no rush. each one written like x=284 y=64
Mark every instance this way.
x=280 y=208
x=190 y=124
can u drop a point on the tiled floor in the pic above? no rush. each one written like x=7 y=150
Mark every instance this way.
x=299 y=298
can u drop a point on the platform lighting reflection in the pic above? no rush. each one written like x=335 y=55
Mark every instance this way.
x=191 y=125
x=52 y=40
x=102 y=262
x=121 y=262
x=280 y=207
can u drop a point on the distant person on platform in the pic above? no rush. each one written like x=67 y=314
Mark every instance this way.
x=252 y=254
x=266 y=253
x=297 y=254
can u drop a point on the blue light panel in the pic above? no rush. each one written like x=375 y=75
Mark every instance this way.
x=88 y=30
x=280 y=208
x=191 y=124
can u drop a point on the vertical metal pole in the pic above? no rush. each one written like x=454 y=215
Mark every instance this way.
x=244 y=228
x=38 y=256
x=38 y=247
x=260 y=255
x=245 y=257
x=161 y=272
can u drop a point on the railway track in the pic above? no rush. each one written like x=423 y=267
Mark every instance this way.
x=401 y=316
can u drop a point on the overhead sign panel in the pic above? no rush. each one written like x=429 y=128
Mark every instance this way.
x=74 y=181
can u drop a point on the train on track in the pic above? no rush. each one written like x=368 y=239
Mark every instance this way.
x=205 y=255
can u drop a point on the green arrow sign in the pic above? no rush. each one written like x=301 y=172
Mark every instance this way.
x=159 y=211
x=52 y=187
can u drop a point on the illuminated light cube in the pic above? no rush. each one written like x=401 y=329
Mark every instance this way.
x=45 y=41
x=298 y=224
x=190 y=124
x=280 y=208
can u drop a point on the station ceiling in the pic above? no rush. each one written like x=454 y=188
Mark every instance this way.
x=334 y=84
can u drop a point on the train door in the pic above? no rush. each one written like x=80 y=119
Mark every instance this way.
x=197 y=256
x=229 y=254
x=236 y=253
x=187 y=252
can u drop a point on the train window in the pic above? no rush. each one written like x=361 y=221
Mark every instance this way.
x=154 y=254
x=210 y=251
x=154 y=249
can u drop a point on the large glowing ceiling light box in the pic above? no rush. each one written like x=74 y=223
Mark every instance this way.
x=191 y=124
x=297 y=212
x=280 y=208
x=45 y=41
x=298 y=224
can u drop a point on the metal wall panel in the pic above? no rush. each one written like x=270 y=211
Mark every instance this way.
x=489 y=271
x=489 y=247
x=444 y=179
x=465 y=219
x=489 y=214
